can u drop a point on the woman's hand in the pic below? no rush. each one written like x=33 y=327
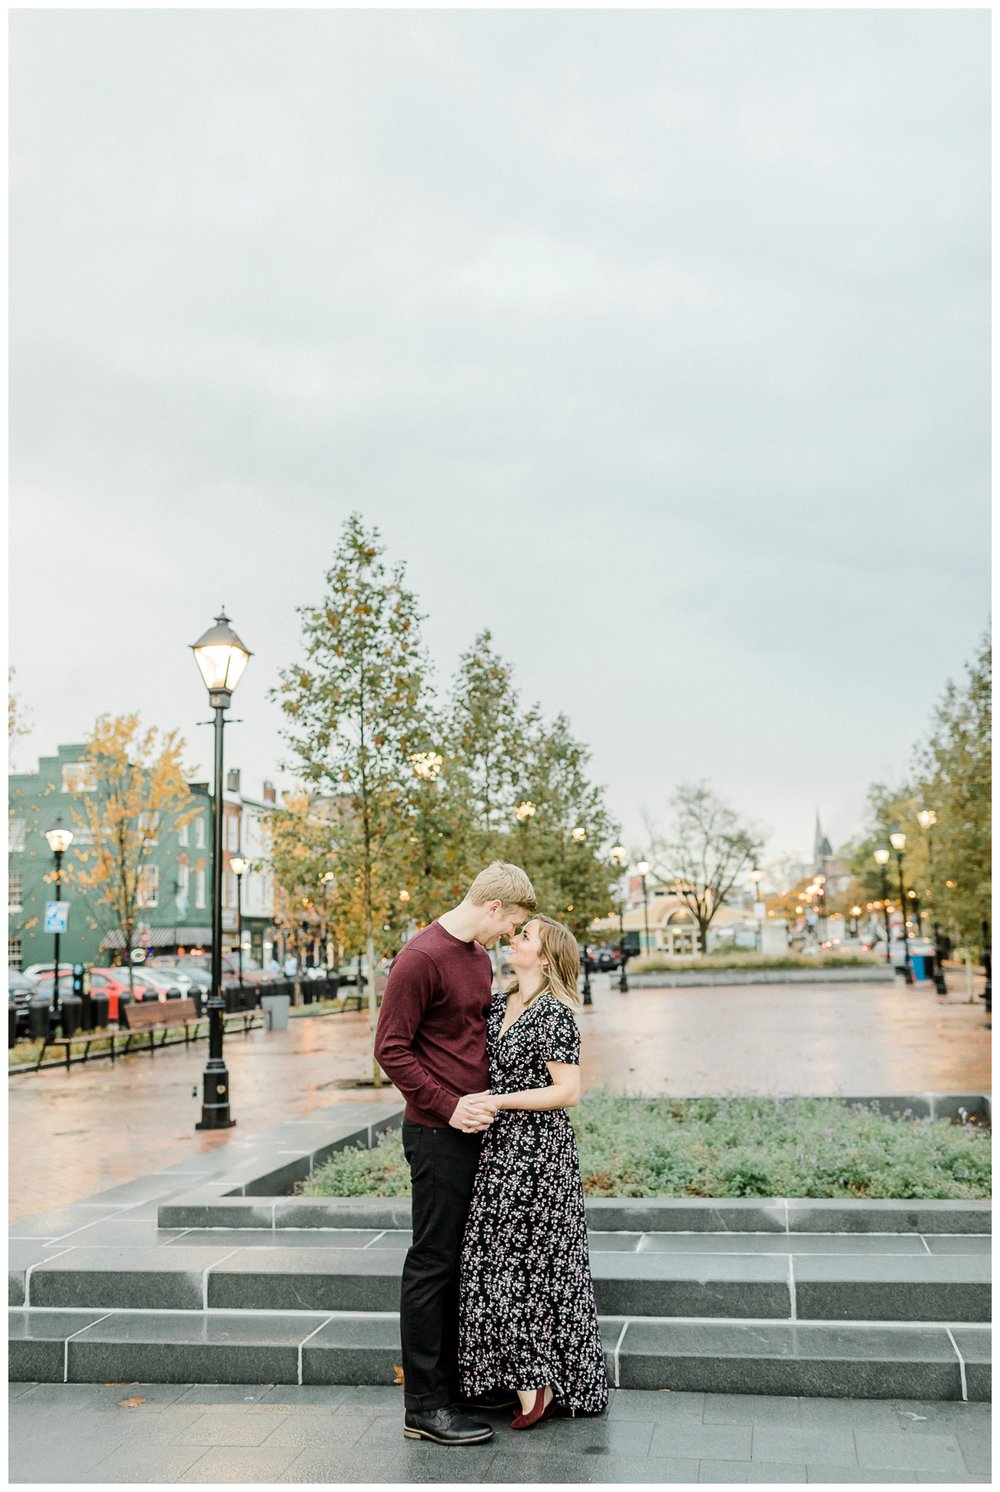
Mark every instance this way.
x=474 y=1112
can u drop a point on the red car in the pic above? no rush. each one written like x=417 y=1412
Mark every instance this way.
x=102 y=982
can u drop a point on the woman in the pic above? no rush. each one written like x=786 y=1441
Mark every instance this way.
x=527 y=1317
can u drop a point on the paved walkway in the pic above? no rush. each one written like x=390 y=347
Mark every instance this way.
x=182 y=1433
x=75 y=1133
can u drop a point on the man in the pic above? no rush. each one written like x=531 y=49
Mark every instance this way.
x=431 y=1043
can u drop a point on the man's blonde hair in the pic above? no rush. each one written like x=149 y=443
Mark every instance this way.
x=502 y=882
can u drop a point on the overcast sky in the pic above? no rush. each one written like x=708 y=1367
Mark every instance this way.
x=654 y=341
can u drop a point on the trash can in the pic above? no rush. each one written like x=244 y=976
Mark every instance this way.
x=100 y=1006
x=39 y=1019
x=86 y=1013
x=275 y=1008
x=70 y=1014
x=231 y=995
x=11 y=1024
x=922 y=957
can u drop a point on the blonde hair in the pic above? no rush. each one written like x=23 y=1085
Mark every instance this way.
x=562 y=952
x=505 y=883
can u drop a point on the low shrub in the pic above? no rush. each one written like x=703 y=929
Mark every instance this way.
x=730 y=1147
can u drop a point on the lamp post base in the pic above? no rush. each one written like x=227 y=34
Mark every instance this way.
x=215 y=1099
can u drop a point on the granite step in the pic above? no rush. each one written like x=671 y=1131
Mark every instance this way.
x=724 y=1356
x=355 y=1271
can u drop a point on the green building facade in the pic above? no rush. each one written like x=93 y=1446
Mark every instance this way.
x=176 y=899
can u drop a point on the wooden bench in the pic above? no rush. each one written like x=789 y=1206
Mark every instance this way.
x=147 y=1016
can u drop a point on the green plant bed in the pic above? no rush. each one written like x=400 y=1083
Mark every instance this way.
x=729 y=1147
x=662 y=964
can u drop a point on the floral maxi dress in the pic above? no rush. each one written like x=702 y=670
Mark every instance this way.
x=527 y=1316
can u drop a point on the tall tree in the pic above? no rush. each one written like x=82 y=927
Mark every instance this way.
x=955 y=782
x=704 y=853
x=354 y=711
x=130 y=788
x=487 y=735
x=300 y=855
x=563 y=844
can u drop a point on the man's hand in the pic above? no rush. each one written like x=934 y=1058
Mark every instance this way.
x=474 y=1113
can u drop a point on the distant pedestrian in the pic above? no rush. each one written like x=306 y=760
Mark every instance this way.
x=527 y=1313
x=431 y=1042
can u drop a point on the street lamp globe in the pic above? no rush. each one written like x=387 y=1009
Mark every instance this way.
x=642 y=866
x=618 y=854
x=237 y=864
x=579 y=834
x=926 y=817
x=59 y=837
x=221 y=658
x=881 y=857
x=898 y=840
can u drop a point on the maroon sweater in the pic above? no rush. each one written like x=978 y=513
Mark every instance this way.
x=431 y=1033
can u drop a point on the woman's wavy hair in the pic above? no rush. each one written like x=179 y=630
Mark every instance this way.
x=562 y=953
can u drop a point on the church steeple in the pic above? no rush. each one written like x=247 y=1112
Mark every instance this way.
x=822 y=848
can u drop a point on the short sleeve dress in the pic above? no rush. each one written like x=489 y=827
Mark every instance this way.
x=527 y=1316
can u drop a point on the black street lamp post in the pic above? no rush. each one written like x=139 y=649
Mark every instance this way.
x=619 y=858
x=882 y=860
x=238 y=866
x=898 y=842
x=60 y=838
x=221 y=657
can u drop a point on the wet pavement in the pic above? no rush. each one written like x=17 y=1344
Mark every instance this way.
x=240 y=1433
x=78 y=1132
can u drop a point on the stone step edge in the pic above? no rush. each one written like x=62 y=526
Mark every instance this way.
x=202 y=1207
x=893 y=1383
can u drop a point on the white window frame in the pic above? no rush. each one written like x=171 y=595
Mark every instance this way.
x=15 y=891
x=199 y=888
x=148 y=888
x=199 y=832
x=79 y=777
x=149 y=820
x=183 y=836
x=14 y=951
x=17 y=829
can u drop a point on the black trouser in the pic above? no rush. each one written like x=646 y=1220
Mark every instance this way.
x=442 y=1170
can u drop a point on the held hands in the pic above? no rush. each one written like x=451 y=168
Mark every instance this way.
x=474 y=1113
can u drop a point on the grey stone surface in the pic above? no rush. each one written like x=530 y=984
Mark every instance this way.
x=830 y=1447
x=976 y=1451
x=824 y=1361
x=661 y=1469
x=959 y=1243
x=350 y=1348
x=157 y=1278
x=783 y=1244
x=62 y=1220
x=322 y=1429
x=658 y=1405
x=287 y=1238
x=215 y=1427
x=695 y=1214
x=722 y=1442
x=858 y=1215
x=35 y=1346
x=227 y=1348
x=908 y=1452
x=208 y=1209
x=751 y=1409
x=855 y=1475
x=230 y=1464
x=949 y=1287
x=687 y=1285
x=160 y=1463
x=342 y=1212
x=123 y=1231
x=588 y=1436
x=774 y=1473
x=306 y=1279
x=509 y=1468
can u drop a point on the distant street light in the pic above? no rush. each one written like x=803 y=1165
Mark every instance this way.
x=882 y=860
x=643 y=868
x=238 y=866
x=60 y=838
x=525 y=811
x=221 y=658
x=927 y=818
x=619 y=858
x=755 y=876
x=898 y=842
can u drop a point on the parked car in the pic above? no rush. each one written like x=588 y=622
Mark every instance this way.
x=20 y=990
x=608 y=959
x=147 y=984
x=34 y=970
x=252 y=971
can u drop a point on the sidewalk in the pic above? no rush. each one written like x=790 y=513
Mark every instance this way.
x=75 y=1133
x=181 y=1433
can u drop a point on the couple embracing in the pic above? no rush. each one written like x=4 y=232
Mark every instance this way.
x=497 y=1302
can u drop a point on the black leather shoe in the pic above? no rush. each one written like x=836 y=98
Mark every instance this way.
x=499 y=1398
x=448 y=1426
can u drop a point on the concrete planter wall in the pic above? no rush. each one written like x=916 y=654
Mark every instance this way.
x=695 y=978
